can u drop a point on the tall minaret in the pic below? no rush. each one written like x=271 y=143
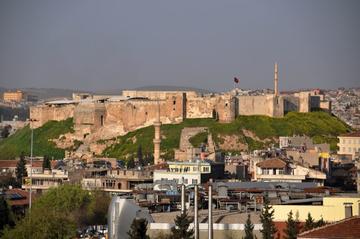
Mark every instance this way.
x=276 y=80
x=157 y=139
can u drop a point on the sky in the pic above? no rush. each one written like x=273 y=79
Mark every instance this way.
x=102 y=45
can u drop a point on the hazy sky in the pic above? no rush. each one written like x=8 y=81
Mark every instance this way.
x=98 y=45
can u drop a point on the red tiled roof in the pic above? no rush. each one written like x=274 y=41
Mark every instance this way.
x=348 y=228
x=8 y=163
x=352 y=134
x=272 y=163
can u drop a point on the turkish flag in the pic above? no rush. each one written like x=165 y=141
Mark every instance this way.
x=236 y=80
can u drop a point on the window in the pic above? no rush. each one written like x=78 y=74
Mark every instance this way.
x=194 y=181
x=265 y=171
x=348 y=210
x=281 y=171
x=206 y=169
x=186 y=181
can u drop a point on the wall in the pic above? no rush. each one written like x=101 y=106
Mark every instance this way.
x=332 y=209
x=261 y=105
x=221 y=230
x=44 y=113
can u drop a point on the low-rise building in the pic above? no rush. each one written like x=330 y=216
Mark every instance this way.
x=115 y=180
x=333 y=208
x=349 y=144
x=45 y=180
x=191 y=172
x=278 y=170
x=13 y=96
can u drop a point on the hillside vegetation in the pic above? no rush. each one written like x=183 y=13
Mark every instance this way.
x=322 y=127
x=253 y=131
x=20 y=141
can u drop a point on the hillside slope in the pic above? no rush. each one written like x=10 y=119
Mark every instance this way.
x=252 y=131
x=20 y=142
x=244 y=133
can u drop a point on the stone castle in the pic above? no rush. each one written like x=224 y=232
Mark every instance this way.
x=104 y=116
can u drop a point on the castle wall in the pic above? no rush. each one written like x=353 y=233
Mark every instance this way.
x=258 y=105
x=200 y=107
x=40 y=114
x=133 y=114
x=291 y=103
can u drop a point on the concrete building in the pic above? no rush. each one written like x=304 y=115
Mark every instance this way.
x=43 y=181
x=278 y=170
x=13 y=96
x=191 y=172
x=333 y=208
x=349 y=144
x=115 y=180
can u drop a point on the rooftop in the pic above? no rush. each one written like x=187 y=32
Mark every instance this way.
x=352 y=134
x=347 y=228
x=272 y=163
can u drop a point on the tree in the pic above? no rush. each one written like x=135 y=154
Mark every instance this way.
x=21 y=168
x=46 y=162
x=140 y=155
x=5 y=212
x=138 y=229
x=320 y=223
x=130 y=163
x=5 y=132
x=249 y=227
x=54 y=215
x=266 y=218
x=181 y=229
x=292 y=228
x=309 y=223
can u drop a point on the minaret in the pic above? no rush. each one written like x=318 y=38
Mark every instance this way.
x=157 y=139
x=276 y=80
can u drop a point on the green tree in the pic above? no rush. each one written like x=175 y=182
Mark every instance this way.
x=130 y=163
x=98 y=208
x=5 y=132
x=292 y=228
x=6 y=216
x=21 y=169
x=249 y=227
x=309 y=223
x=56 y=214
x=46 y=162
x=181 y=228
x=320 y=223
x=266 y=218
x=138 y=229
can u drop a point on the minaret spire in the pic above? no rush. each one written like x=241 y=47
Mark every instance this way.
x=276 y=80
x=157 y=139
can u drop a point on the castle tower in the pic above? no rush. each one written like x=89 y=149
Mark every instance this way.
x=276 y=80
x=157 y=139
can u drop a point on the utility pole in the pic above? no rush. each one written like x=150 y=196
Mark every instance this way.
x=196 y=216
x=31 y=161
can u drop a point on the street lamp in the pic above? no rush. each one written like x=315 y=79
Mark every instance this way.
x=31 y=160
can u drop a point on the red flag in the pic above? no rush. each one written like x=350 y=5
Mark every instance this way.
x=236 y=80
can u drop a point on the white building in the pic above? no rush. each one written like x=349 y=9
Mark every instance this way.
x=277 y=170
x=188 y=173
x=349 y=144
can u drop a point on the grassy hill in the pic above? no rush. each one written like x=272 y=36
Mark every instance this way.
x=20 y=141
x=322 y=127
